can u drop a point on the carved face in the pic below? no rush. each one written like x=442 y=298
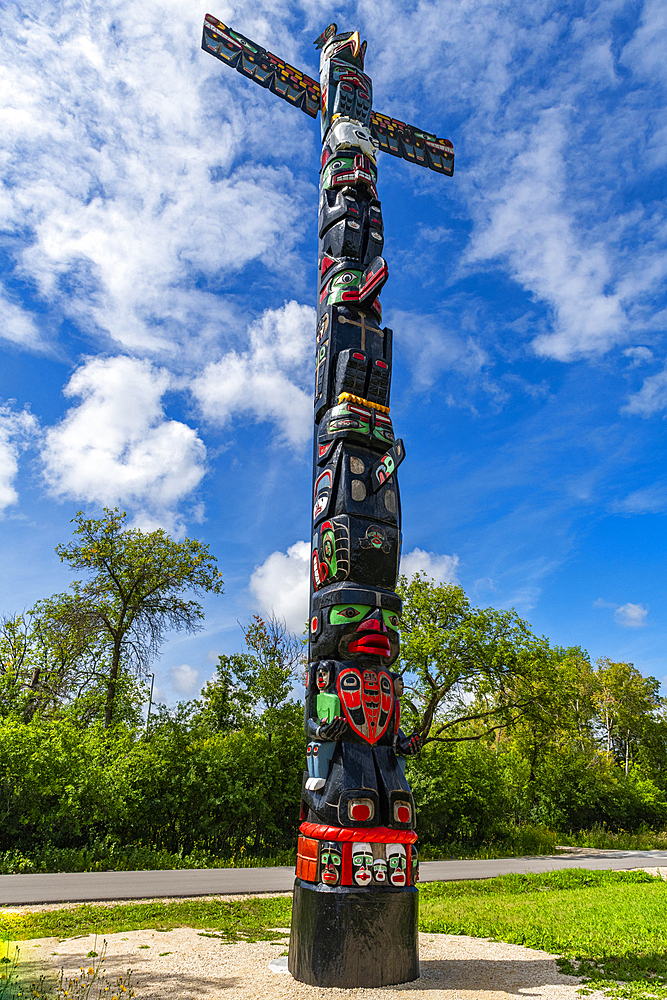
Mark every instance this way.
x=366 y=632
x=362 y=863
x=348 y=169
x=323 y=677
x=347 y=46
x=360 y=630
x=414 y=855
x=396 y=864
x=331 y=861
x=380 y=871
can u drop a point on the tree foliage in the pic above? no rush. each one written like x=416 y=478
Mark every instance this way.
x=134 y=591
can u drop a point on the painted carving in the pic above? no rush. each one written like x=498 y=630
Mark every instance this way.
x=357 y=811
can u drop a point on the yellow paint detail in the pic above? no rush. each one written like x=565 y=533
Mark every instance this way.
x=348 y=397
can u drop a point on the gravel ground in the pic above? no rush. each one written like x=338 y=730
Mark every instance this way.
x=183 y=964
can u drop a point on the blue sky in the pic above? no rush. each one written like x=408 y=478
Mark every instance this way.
x=157 y=287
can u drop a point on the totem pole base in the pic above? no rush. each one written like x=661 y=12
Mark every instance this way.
x=349 y=937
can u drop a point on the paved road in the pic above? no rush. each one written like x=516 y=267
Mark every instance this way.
x=16 y=890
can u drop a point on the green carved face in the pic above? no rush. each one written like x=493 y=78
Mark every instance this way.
x=341 y=284
x=349 y=416
x=345 y=169
x=345 y=614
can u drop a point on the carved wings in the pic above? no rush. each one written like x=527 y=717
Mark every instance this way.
x=292 y=85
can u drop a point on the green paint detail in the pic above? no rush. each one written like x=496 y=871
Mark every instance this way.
x=390 y=619
x=356 y=612
x=327 y=706
x=329 y=552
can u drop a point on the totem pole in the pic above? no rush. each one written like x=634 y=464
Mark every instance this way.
x=354 y=915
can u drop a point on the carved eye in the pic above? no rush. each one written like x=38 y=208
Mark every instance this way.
x=349 y=613
x=337 y=164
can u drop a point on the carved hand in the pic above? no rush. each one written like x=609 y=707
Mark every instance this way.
x=408 y=746
x=332 y=730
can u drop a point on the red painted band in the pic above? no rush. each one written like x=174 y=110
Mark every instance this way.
x=368 y=835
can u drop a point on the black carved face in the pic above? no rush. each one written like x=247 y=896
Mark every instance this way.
x=323 y=677
x=357 y=628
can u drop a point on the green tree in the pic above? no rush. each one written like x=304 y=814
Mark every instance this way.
x=134 y=593
x=468 y=671
x=627 y=704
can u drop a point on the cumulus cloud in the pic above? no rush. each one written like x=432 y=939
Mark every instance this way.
x=267 y=381
x=115 y=446
x=184 y=678
x=441 y=568
x=17 y=429
x=281 y=584
x=631 y=615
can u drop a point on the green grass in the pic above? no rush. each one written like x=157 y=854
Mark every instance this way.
x=609 y=927
x=621 y=840
x=103 y=857
x=243 y=920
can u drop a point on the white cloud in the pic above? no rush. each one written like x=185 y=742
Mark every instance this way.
x=631 y=615
x=184 y=678
x=650 y=500
x=433 y=347
x=651 y=398
x=281 y=584
x=17 y=325
x=266 y=382
x=533 y=228
x=129 y=182
x=639 y=355
x=16 y=430
x=117 y=447
x=442 y=569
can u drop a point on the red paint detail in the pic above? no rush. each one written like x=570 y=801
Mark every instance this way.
x=403 y=814
x=313 y=624
x=381 y=364
x=363 y=877
x=359 y=357
x=398 y=878
x=360 y=813
x=387 y=693
x=375 y=645
x=327 y=262
x=371 y=625
x=363 y=692
x=351 y=834
x=346 y=875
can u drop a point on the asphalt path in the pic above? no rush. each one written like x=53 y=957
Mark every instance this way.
x=24 y=890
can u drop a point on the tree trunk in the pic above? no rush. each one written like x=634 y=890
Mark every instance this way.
x=627 y=752
x=31 y=703
x=111 y=685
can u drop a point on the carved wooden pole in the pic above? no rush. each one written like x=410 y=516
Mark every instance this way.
x=354 y=919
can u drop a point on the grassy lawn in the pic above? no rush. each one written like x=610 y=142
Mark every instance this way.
x=610 y=927
x=247 y=920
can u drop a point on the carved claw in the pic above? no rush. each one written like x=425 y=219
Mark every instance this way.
x=332 y=730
